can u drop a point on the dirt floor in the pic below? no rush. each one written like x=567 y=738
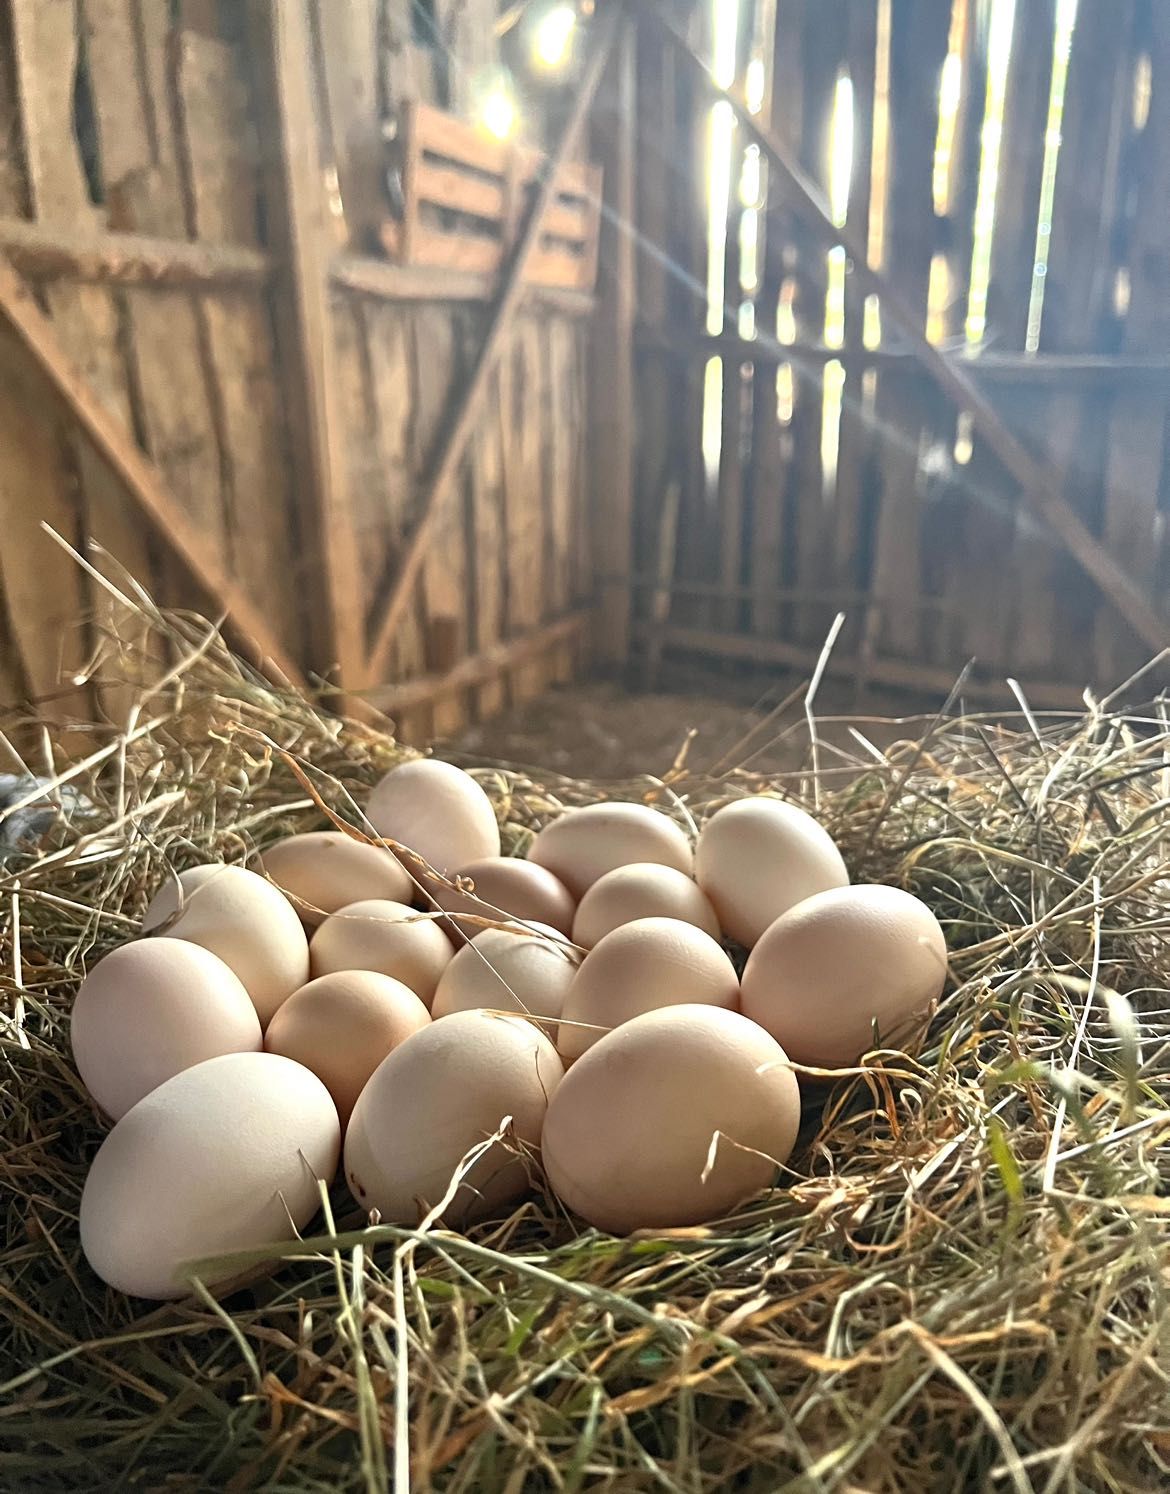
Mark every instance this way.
x=601 y=730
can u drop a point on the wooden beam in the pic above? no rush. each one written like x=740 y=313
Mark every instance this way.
x=481 y=669
x=302 y=231
x=383 y=281
x=128 y=258
x=612 y=363
x=141 y=478
x=1041 y=488
x=899 y=674
x=448 y=459
x=1044 y=369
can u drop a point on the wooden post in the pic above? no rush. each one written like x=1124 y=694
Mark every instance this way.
x=301 y=232
x=449 y=458
x=1040 y=488
x=612 y=394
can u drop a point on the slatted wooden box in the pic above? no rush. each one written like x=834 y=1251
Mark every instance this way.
x=464 y=196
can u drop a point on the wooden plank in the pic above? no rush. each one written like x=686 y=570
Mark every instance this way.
x=559 y=367
x=526 y=496
x=612 y=369
x=44 y=253
x=447 y=460
x=13 y=187
x=900 y=674
x=855 y=436
x=300 y=227
x=382 y=281
x=823 y=40
x=221 y=187
x=970 y=23
x=349 y=47
x=1041 y=487
x=45 y=592
x=1136 y=453
x=773 y=470
x=489 y=548
x=1009 y=607
x=45 y=49
x=918 y=44
x=143 y=482
x=383 y=508
x=484 y=668
x=1097 y=120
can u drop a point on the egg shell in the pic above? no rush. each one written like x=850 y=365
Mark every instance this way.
x=441 y=1093
x=342 y=1026
x=641 y=890
x=758 y=857
x=174 y=892
x=639 y=967
x=151 y=1009
x=586 y=843
x=436 y=810
x=828 y=970
x=521 y=889
x=220 y=1158
x=629 y=1132
x=385 y=936
x=324 y=870
x=515 y=969
x=246 y=921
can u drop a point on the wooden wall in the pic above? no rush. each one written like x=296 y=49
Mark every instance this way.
x=193 y=192
x=774 y=508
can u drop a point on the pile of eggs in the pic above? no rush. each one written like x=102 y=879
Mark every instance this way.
x=452 y=1038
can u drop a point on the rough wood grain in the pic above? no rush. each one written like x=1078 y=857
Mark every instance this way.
x=349 y=46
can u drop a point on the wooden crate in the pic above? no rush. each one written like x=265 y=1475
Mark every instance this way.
x=464 y=196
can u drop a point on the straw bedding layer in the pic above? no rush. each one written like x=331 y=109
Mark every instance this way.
x=963 y=1285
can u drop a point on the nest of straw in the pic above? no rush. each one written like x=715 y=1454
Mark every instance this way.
x=961 y=1285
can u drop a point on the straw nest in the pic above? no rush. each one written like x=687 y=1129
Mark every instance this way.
x=962 y=1285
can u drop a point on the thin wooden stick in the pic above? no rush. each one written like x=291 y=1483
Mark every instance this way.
x=1040 y=488
x=141 y=478
x=449 y=458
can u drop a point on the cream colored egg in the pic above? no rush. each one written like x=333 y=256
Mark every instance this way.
x=222 y=1157
x=505 y=884
x=435 y=1098
x=639 y=967
x=174 y=893
x=436 y=810
x=151 y=1009
x=324 y=870
x=758 y=857
x=342 y=1026
x=509 y=969
x=388 y=937
x=586 y=843
x=842 y=964
x=641 y=890
x=244 y=920
x=676 y=1118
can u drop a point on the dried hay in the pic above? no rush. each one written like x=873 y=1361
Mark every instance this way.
x=962 y=1286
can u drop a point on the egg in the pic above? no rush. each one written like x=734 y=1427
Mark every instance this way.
x=387 y=937
x=244 y=920
x=436 y=810
x=509 y=969
x=638 y=967
x=220 y=1158
x=323 y=870
x=758 y=857
x=342 y=1026
x=641 y=890
x=586 y=843
x=174 y=892
x=674 y=1119
x=839 y=964
x=440 y=1094
x=151 y=1009
x=505 y=884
